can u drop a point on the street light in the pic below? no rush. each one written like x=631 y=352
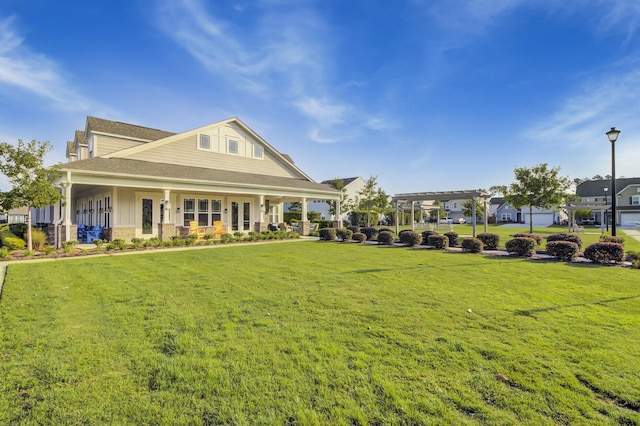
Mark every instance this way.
x=613 y=137
x=606 y=213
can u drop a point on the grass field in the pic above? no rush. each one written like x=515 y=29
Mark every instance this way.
x=318 y=333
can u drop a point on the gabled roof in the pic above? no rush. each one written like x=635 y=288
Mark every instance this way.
x=79 y=138
x=70 y=149
x=595 y=188
x=234 y=121
x=100 y=125
x=496 y=200
x=123 y=167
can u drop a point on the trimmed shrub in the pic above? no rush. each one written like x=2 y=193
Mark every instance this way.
x=472 y=245
x=370 y=232
x=611 y=239
x=19 y=229
x=453 y=238
x=324 y=224
x=537 y=237
x=4 y=253
x=425 y=236
x=521 y=246
x=410 y=238
x=344 y=234
x=359 y=237
x=387 y=230
x=11 y=241
x=438 y=241
x=490 y=241
x=353 y=229
x=385 y=237
x=327 y=234
x=563 y=250
x=574 y=238
x=605 y=253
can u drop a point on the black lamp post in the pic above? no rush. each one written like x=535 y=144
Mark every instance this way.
x=613 y=137
x=606 y=213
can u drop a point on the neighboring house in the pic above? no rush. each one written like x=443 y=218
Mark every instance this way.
x=494 y=204
x=453 y=209
x=352 y=185
x=627 y=202
x=541 y=217
x=140 y=182
x=15 y=216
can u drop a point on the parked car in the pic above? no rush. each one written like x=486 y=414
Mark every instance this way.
x=446 y=220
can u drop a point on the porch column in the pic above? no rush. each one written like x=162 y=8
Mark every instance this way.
x=166 y=219
x=338 y=222
x=261 y=224
x=303 y=228
x=67 y=210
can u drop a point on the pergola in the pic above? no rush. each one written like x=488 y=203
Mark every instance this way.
x=586 y=205
x=413 y=197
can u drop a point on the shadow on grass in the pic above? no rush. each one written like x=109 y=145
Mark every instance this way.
x=531 y=312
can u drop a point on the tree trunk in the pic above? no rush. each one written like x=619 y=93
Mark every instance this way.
x=531 y=219
x=29 y=242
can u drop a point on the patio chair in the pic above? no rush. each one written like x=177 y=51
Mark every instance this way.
x=82 y=233
x=195 y=230
x=94 y=234
x=218 y=229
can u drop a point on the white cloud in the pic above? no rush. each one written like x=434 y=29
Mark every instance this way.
x=279 y=53
x=33 y=72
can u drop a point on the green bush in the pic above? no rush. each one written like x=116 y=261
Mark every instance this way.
x=426 y=235
x=327 y=234
x=563 y=250
x=389 y=230
x=490 y=241
x=453 y=238
x=4 y=253
x=563 y=236
x=344 y=234
x=611 y=239
x=438 y=241
x=385 y=237
x=359 y=218
x=324 y=223
x=521 y=246
x=537 y=237
x=38 y=239
x=472 y=245
x=19 y=229
x=370 y=232
x=359 y=237
x=605 y=253
x=119 y=243
x=226 y=238
x=353 y=229
x=410 y=238
x=11 y=241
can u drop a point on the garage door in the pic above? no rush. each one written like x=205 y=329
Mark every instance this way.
x=629 y=219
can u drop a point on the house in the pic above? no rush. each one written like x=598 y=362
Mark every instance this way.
x=627 y=201
x=352 y=187
x=140 y=182
x=541 y=217
x=15 y=216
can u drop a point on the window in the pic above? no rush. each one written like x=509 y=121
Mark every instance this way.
x=189 y=211
x=635 y=200
x=274 y=213
x=506 y=217
x=91 y=153
x=233 y=146
x=216 y=211
x=258 y=151
x=204 y=142
x=203 y=212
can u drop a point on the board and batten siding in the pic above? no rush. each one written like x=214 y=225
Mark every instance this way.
x=185 y=152
x=108 y=144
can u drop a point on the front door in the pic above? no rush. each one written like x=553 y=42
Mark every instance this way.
x=240 y=215
x=147 y=217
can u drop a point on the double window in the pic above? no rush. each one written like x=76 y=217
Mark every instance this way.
x=208 y=211
x=635 y=200
x=506 y=217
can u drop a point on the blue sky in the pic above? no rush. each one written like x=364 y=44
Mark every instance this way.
x=426 y=95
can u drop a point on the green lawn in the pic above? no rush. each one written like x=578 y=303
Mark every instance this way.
x=318 y=333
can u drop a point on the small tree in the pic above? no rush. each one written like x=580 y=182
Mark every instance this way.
x=32 y=183
x=372 y=198
x=346 y=204
x=467 y=209
x=537 y=186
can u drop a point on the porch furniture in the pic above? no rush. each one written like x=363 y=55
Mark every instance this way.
x=94 y=234
x=284 y=227
x=82 y=233
x=272 y=227
x=218 y=229
x=313 y=227
x=578 y=229
x=195 y=230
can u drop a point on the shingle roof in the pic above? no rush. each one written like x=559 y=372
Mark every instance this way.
x=595 y=188
x=125 y=166
x=70 y=150
x=496 y=200
x=346 y=181
x=101 y=125
x=79 y=138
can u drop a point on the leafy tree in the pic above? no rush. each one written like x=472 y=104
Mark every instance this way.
x=436 y=211
x=32 y=186
x=584 y=214
x=467 y=209
x=295 y=206
x=372 y=198
x=537 y=186
x=597 y=177
x=346 y=204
